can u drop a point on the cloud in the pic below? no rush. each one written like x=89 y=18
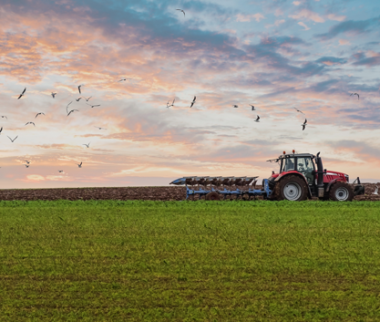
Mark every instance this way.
x=328 y=60
x=344 y=42
x=307 y=14
x=246 y=18
x=333 y=16
x=352 y=27
x=303 y=25
x=368 y=61
x=362 y=150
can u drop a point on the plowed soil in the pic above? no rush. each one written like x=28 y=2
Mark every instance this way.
x=129 y=193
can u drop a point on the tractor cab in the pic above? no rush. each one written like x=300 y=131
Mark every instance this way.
x=302 y=163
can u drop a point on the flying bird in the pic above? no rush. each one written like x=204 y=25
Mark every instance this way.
x=100 y=128
x=4 y=117
x=78 y=99
x=80 y=165
x=26 y=165
x=257 y=119
x=67 y=107
x=299 y=111
x=122 y=80
x=182 y=12
x=87 y=145
x=22 y=94
x=304 y=125
x=235 y=106
x=1 y=130
x=39 y=114
x=13 y=139
x=72 y=111
x=192 y=103
x=87 y=99
x=92 y=106
x=376 y=192
x=167 y=105
x=60 y=171
x=355 y=94
x=253 y=108
x=30 y=123
x=27 y=162
x=79 y=89
x=53 y=94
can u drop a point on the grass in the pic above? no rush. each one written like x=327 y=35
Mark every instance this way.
x=189 y=261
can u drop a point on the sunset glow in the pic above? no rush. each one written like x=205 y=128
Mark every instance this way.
x=275 y=55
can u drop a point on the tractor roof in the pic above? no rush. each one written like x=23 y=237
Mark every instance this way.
x=293 y=155
x=298 y=155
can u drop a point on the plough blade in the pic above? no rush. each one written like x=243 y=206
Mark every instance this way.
x=215 y=181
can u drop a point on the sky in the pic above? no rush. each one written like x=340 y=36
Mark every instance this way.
x=277 y=55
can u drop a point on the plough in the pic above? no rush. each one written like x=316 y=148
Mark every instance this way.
x=213 y=188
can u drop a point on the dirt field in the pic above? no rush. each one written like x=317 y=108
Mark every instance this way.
x=129 y=193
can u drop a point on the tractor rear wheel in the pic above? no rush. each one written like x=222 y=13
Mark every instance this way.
x=292 y=188
x=341 y=191
x=213 y=196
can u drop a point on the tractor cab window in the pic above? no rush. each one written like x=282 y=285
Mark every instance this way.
x=306 y=167
x=288 y=164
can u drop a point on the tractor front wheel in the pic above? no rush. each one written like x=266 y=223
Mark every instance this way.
x=291 y=188
x=341 y=191
x=213 y=196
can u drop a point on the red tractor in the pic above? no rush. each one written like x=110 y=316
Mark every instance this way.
x=302 y=176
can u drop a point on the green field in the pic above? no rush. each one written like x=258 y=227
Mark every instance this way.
x=189 y=261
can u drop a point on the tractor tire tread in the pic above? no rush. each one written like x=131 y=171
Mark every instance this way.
x=278 y=189
x=337 y=185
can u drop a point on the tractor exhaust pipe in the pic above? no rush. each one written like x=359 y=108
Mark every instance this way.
x=321 y=188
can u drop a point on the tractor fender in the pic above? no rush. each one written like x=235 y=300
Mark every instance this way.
x=297 y=174
x=330 y=184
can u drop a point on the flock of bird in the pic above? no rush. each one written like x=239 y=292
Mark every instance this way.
x=53 y=94
x=69 y=112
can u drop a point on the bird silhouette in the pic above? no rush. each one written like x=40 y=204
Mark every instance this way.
x=304 y=125
x=92 y=106
x=355 y=94
x=72 y=111
x=22 y=94
x=182 y=12
x=192 y=103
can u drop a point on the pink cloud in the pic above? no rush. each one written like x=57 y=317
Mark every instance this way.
x=246 y=18
x=307 y=15
x=344 y=42
x=303 y=25
x=333 y=16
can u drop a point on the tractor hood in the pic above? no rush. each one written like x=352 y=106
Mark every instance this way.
x=332 y=175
